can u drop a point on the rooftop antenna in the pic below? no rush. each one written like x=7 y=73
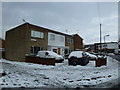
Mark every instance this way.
x=24 y=21
x=100 y=22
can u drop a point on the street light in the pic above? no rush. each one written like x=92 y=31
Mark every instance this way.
x=105 y=36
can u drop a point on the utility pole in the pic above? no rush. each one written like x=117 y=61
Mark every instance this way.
x=100 y=38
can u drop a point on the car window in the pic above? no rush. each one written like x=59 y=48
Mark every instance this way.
x=84 y=54
x=46 y=53
x=42 y=54
x=77 y=54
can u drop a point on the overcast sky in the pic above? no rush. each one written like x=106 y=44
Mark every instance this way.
x=75 y=17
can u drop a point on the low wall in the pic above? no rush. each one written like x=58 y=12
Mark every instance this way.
x=101 y=62
x=38 y=60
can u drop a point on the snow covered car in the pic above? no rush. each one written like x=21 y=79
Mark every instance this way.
x=50 y=54
x=91 y=56
x=117 y=51
x=78 y=58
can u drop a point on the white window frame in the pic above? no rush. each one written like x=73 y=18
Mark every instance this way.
x=61 y=39
x=52 y=37
x=37 y=34
x=69 y=40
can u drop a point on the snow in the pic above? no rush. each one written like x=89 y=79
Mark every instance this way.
x=111 y=54
x=91 y=55
x=51 y=54
x=22 y=74
x=77 y=54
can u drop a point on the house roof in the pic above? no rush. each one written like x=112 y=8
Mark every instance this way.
x=77 y=35
x=50 y=30
x=107 y=43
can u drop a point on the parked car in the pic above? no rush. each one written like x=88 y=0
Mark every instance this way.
x=91 y=56
x=95 y=56
x=78 y=58
x=117 y=51
x=50 y=54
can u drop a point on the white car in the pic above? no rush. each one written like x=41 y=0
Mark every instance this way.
x=50 y=54
x=91 y=56
x=117 y=51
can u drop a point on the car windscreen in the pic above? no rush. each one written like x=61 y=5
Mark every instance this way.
x=77 y=54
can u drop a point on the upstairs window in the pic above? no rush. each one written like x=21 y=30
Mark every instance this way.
x=69 y=40
x=52 y=37
x=37 y=34
x=61 y=39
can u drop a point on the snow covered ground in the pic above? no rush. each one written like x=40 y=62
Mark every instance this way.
x=21 y=74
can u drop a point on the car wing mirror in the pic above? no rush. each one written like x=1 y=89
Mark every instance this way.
x=46 y=53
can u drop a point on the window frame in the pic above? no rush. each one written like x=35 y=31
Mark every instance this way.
x=52 y=37
x=70 y=40
x=37 y=34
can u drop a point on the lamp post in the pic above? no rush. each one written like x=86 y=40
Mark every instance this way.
x=104 y=40
x=105 y=36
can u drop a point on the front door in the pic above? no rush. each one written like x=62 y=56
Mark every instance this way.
x=59 y=51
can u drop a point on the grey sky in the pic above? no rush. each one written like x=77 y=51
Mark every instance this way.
x=76 y=17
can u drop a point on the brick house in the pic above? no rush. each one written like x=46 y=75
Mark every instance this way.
x=78 y=42
x=28 y=39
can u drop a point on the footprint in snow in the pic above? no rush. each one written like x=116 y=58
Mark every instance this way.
x=71 y=81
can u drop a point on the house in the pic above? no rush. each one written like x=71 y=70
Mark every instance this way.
x=78 y=42
x=108 y=46
x=28 y=39
x=89 y=47
x=2 y=47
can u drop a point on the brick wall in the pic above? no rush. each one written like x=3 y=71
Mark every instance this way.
x=78 y=42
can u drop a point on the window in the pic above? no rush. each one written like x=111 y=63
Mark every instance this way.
x=66 y=51
x=69 y=40
x=105 y=45
x=37 y=34
x=35 y=49
x=55 y=50
x=61 y=39
x=52 y=37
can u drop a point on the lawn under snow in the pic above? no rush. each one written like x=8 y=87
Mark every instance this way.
x=21 y=74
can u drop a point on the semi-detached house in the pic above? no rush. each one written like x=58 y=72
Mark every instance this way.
x=28 y=39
